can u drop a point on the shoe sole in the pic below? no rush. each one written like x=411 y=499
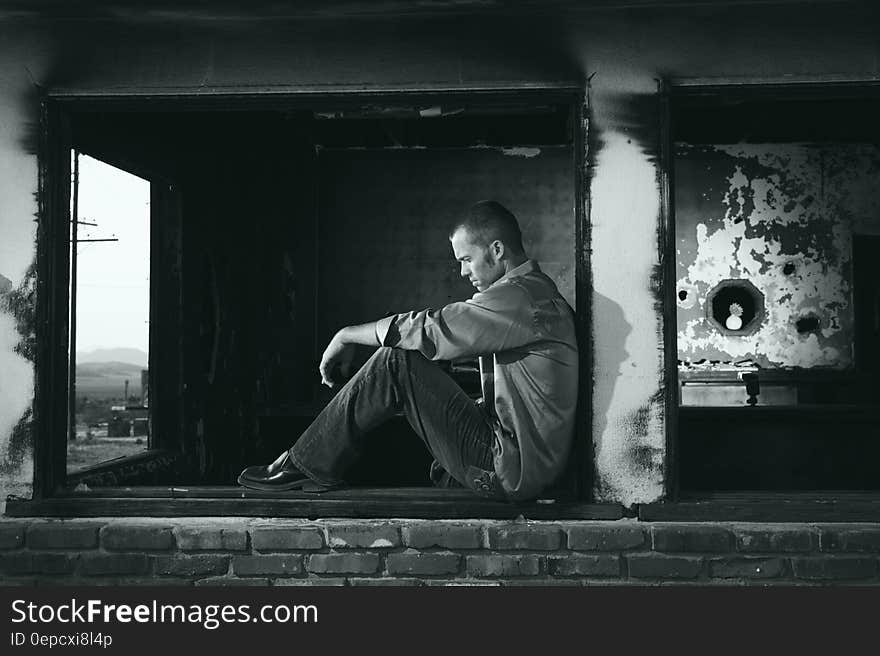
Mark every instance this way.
x=305 y=485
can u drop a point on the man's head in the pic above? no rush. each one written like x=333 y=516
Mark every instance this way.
x=487 y=242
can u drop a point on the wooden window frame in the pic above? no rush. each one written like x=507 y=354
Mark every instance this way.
x=54 y=493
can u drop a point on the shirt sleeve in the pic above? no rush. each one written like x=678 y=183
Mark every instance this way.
x=498 y=319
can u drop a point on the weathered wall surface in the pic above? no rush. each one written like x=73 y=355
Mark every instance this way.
x=23 y=56
x=782 y=217
x=627 y=51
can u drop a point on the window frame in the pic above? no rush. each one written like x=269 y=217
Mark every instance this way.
x=744 y=505
x=53 y=493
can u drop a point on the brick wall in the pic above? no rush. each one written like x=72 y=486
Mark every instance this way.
x=237 y=551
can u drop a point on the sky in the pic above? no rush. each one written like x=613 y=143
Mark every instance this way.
x=113 y=286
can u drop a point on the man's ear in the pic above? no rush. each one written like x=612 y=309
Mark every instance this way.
x=497 y=248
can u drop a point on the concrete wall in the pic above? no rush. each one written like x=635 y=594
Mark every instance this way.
x=626 y=51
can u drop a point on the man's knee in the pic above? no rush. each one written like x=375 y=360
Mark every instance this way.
x=383 y=354
x=384 y=360
x=394 y=360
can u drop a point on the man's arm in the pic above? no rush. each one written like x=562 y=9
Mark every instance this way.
x=493 y=321
x=339 y=349
x=363 y=334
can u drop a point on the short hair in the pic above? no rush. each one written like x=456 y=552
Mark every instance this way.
x=489 y=220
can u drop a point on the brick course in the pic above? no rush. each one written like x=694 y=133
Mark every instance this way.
x=835 y=568
x=286 y=539
x=425 y=535
x=599 y=537
x=661 y=566
x=99 y=564
x=690 y=538
x=423 y=563
x=191 y=538
x=584 y=566
x=344 y=563
x=503 y=565
x=750 y=568
x=243 y=551
x=784 y=540
x=267 y=565
x=23 y=562
x=530 y=537
x=11 y=535
x=191 y=565
x=848 y=539
x=378 y=536
x=62 y=535
x=124 y=537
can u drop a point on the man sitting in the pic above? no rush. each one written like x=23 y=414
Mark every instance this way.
x=513 y=444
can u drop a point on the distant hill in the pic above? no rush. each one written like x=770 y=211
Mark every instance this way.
x=107 y=379
x=131 y=356
x=113 y=369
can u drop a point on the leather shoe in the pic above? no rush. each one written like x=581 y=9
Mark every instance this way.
x=284 y=476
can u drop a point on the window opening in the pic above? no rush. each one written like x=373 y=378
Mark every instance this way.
x=254 y=220
x=109 y=314
x=774 y=189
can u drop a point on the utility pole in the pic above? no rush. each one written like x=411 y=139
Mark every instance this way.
x=71 y=365
x=74 y=242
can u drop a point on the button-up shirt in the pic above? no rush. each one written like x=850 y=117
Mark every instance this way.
x=526 y=329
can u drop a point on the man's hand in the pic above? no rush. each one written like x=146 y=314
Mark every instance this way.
x=340 y=352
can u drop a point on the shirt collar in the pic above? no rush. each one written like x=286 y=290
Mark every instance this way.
x=526 y=267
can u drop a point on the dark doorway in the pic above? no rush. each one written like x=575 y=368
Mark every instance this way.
x=866 y=297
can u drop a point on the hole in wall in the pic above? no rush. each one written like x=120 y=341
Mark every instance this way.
x=733 y=302
x=686 y=295
x=735 y=307
x=788 y=269
x=807 y=324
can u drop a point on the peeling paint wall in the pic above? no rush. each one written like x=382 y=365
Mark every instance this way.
x=780 y=216
x=18 y=211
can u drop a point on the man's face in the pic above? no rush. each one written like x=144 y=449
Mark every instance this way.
x=479 y=264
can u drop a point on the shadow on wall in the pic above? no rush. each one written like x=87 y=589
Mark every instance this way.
x=615 y=329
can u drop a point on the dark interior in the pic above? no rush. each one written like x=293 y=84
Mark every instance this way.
x=273 y=228
x=744 y=114
x=830 y=438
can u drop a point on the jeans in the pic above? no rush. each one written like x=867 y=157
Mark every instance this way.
x=454 y=429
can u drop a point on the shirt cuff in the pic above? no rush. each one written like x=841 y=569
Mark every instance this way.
x=383 y=326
